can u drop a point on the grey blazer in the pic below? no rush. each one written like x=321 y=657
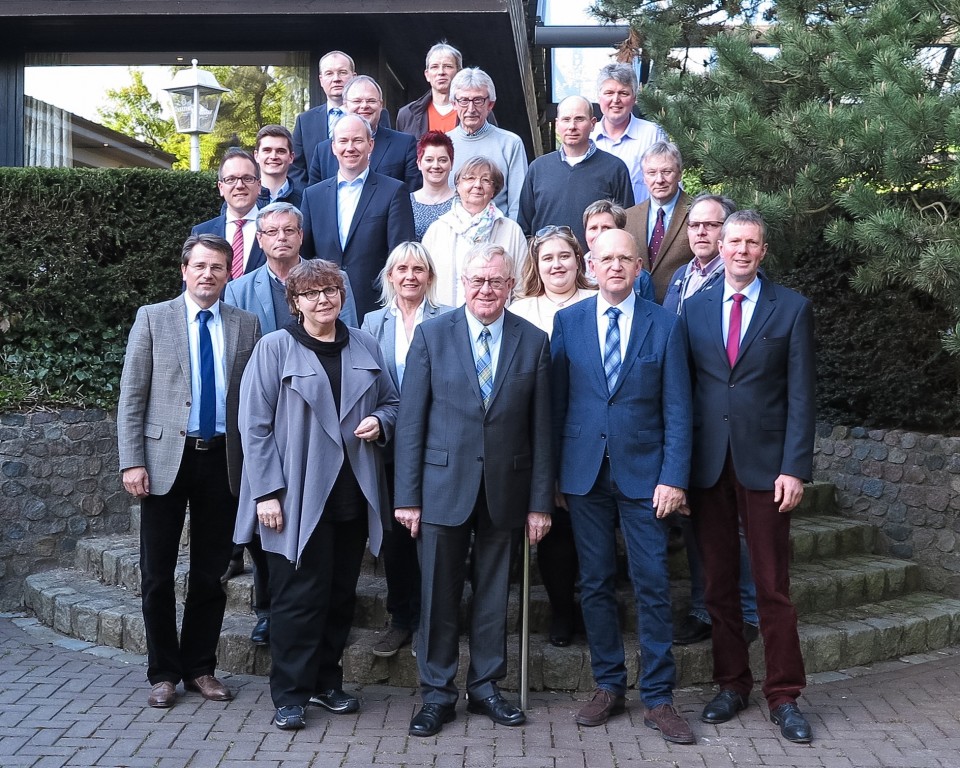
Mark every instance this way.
x=446 y=443
x=155 y=390
x=382 y=325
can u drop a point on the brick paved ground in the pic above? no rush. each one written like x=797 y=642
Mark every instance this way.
x=67 y=703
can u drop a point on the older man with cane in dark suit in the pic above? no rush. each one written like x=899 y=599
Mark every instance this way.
x=472 y=457
x=751 y=349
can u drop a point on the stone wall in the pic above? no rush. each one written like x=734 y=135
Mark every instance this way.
x=58 y=483
x=905 y=483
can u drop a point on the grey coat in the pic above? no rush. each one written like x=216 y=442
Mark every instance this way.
x=293 y=438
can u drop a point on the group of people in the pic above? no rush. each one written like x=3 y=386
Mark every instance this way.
x=380 y=359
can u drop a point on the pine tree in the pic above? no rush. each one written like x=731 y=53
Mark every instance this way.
x=845 y=128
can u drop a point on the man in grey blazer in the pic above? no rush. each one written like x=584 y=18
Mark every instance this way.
x=472 y=457
x=179 y=444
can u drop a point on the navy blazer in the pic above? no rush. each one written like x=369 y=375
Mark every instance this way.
x=763 y=409
x=311 y=129
x=383 y=220
x=447 y=444
x=394 y=155
x=644 y=425
x=218 y=226
x=253 y=293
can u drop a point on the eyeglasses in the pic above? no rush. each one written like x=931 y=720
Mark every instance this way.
x=495 y=283
x=232 y=181
x=363 y=102
x=328 y=73
x=552 y=229
x=313 y=296
x=477 y=101
x=486 y=181
x=287 y=232
x=709 y=225
x=607 y=261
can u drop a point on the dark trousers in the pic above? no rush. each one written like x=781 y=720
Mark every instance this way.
x=202 y=482
x=261 y=573
x=402 y=569
x=312 y=610
x=718 y=513
x=443 y=560
x=557 y=560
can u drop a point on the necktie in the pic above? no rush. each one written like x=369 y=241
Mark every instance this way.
x=236 y=266
x=733 y=334
x=656 y=239
x=333 y=116
x=484 y=367
x=208 y=381
x=611 y=349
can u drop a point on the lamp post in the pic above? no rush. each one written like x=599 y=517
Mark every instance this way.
x=195 y=95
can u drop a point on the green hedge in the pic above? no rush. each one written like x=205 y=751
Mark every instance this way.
x=80 y=250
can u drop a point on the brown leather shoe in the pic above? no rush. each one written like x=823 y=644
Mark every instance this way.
x=209 y=687
x=162 y=695
x=600 y=708
x=672 y=726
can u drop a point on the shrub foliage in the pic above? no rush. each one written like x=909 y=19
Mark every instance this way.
x=80 y=250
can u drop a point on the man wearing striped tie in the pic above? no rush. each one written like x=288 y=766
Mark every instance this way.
x=238 y=181
x=622 y=432
x=473 y=459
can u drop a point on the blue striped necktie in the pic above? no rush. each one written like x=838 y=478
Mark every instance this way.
x=484 y=367
x=611 y=350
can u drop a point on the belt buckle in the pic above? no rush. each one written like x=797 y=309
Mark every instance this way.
x=201 y=445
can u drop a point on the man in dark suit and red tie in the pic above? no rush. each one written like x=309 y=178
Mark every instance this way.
x=751 y=349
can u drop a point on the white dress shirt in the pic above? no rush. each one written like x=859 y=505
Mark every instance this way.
x=624 y=322
x=750 y=296
x=401 y=344
x=496 y=336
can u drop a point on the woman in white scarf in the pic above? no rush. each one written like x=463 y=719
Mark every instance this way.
x=473 y=219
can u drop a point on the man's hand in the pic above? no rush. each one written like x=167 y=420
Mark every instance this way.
x=270 y=514
x=368 y=429
x=667 y=500
x=409 y=518
x=538 y=526
x=136 y=481
x=788 y=490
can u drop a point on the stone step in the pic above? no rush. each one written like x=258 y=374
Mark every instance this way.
x=81 y=607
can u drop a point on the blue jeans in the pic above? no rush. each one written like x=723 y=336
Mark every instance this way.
x=594 y=517
x=748 y=591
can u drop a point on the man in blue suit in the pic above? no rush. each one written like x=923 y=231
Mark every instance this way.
x=356 y=217
x=751 y=350
x=316 y=124
x=394 y=153
x=239 y=185
x=621 y=429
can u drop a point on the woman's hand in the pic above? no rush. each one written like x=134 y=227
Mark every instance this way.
x=368 y=429
x=270 y=514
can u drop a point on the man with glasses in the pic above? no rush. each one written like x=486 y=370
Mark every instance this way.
x=659 y=223
x=472 y=459
x=394 y=153
x=561 y=184
x=356 y=217
x=239 y=185
x=474 y=97
x=179 y=444
x=316 y=124
x=622 y=432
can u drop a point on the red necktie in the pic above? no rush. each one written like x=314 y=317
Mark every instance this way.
x=236 y=267
x=733 y=335
x=656 y=240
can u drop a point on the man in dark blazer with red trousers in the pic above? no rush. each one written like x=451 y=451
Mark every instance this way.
x=751 y=349
x=356 y=217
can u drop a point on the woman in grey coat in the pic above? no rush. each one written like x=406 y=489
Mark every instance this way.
x=316 y=407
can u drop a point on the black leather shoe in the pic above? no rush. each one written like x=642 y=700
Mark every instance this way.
x=723 y=707
x=336 y=700
x=793 y=725
x=497 y=709
x=261 y=632
x=750 y=632
x=431 y=718
x=561 y=631
x=692 y=630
